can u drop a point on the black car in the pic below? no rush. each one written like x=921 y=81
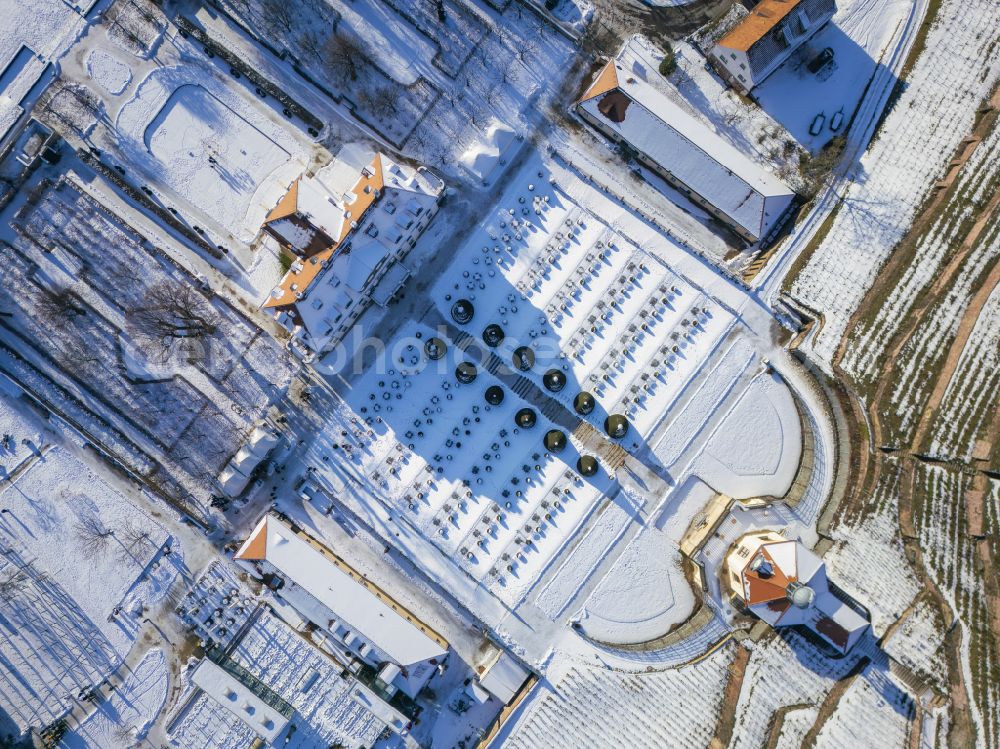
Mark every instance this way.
x=820 y=61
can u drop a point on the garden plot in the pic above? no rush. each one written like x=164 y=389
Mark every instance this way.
x=782 y=672
x=970 y=401
x=190 y=403
x=596 y=707
x=486 y=492
x=936 y=110
x=874 y=711
x=918 y=642
x=923 y=355
x=591 y=306
x=614 y=319
x=954 y=563
x=186 y=129
x=975 y=185
x=108 y=71
x=867 y=559
x=65 y=523
x=129 y=711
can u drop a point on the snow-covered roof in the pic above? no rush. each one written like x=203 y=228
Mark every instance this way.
x=263 y=718
x=383 y=201
x=341 y=590
x=785 y=584
x=483 y=156
x=503 y=676
x=232 y=481
x=764 y=17
x=650 y=122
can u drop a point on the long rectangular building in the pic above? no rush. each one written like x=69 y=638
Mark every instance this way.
x=327 y=592
x=685 y=152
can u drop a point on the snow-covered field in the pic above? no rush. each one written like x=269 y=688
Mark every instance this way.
x=590 y=706
x=873 y=545
x=873 y=711
x=934 y=112
x=80 y=564
x=123 y=719
x=782 y=672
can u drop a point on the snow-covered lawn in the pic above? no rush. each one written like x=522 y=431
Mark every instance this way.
x=184 y=115
x=127 y=714
x=79 y=565
x=858 y=35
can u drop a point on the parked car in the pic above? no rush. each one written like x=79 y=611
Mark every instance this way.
x=821 y=60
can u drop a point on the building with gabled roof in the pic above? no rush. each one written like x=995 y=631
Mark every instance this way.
x=626 y=107
x=755 y=47
x=355 y=616
x=348 y=227
x=783 y=583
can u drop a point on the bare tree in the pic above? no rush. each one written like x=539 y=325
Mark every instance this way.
x=382 y=102
x=59 y=305
x=93 y=535
x=278 y=13
x=345 y=55
x=124 y=734
x=526 y=48
x=135 y=543
x=509 y=72
x=311 y=43
x=12 y=583
x=172 y=310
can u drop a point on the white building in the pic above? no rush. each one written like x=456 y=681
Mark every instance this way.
x=265 y=713
x=755 y=47
x=785 y=584
x=348 y=227
x=235 y=476
x=353 y=615
x=686 y=152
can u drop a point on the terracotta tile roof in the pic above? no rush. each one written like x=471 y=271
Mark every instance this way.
x=763 y=589
x=255 y=547
x=755 y=26
x=370 y=182
x=606 y=80
x=287 y=205
x=832 y=631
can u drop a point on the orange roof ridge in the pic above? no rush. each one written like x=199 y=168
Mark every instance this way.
x=255 y=547
x=364 y=191
x=606 y=80
x=761 y=20
x=288 y=205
